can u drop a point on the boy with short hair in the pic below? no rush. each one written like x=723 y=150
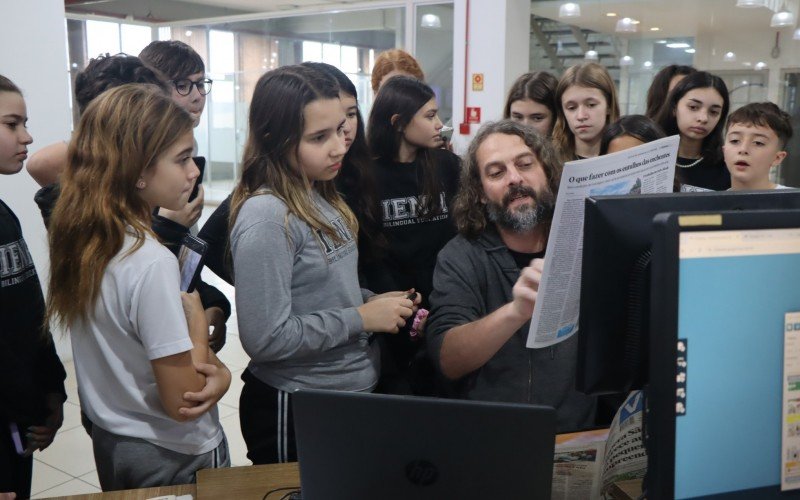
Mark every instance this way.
x=184 y=69
x=755 y=140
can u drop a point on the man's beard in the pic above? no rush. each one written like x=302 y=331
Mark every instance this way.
x=525 y=217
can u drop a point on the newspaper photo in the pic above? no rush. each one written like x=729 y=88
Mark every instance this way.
x=645 y=169
x=577 y=464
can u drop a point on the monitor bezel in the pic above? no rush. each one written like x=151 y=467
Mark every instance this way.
x=661 y=392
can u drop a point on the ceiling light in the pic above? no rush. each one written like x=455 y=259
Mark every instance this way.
x=761 y=65
x=744 y=82
x=749 y=4
x=626 y=25
x=634 y=21
x=611 y=14
x=678 y=45
x=591 y=55
x=782 y=18
x=655 y=28
x=690 y=51
x=188 y=32
x=430 y=21
x=648 y=64
x=569 y=9
x=626 y=61
x=748 y=64
x=662 y=42
x=729 y=57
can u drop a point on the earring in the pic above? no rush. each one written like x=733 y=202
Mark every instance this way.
x=140 y=184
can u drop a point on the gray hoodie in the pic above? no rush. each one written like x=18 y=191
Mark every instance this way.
x=296 y=300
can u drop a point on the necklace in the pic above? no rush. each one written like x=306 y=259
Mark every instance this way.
x=690 y=165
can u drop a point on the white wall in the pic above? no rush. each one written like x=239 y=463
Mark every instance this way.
x=34 y=56
x=499 y=47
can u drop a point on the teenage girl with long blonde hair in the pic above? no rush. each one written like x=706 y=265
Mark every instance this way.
x=137 y=341
x=586 y=103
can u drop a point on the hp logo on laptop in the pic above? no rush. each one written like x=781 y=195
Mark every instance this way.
x=422 y=472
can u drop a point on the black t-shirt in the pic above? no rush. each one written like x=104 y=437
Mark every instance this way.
x=524 y=259
x=414 y=241
x=408 y=262
x=29 y=365
x=714 y=175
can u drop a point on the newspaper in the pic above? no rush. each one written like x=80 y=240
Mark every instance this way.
x=649 y=168
x=626 y=457
x=577 y=465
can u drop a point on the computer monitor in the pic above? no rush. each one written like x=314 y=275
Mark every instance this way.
x=614 y=304
x=722 y=286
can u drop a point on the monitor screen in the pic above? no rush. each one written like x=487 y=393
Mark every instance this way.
x=721 y=292
x=615 y=281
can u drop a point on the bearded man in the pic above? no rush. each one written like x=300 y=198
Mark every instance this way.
x=486 y=279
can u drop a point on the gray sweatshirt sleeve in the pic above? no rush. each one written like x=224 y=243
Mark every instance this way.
x=263 y=261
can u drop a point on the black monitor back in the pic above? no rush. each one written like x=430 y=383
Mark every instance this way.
x=618 y=235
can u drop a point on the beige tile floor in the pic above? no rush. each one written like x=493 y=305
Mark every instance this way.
x=67 y=466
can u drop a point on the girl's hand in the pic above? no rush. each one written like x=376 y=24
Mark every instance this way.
x=417 y=297
x=216 y=319
x=386 y=313
x=40 y=437
x=189 y=214
x=218 y=380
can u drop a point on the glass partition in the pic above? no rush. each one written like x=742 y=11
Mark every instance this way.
x=238 y=53
x=755 y=59
x=434 y=32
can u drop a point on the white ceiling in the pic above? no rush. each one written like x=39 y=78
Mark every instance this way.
x=272 y=5
x=675 y=18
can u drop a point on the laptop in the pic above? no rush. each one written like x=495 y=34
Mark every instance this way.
x=355 y=445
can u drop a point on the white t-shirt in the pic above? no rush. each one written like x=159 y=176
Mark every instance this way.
x=138 y=317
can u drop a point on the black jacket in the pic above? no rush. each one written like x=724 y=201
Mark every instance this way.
x=473 y=278
x=29 y=365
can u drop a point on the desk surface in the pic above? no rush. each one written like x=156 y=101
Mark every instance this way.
x=242 y=483
x=140 y=494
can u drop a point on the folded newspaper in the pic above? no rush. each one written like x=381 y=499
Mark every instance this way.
x=649 y=168
x=587 y=464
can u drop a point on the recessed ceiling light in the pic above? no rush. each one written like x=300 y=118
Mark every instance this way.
x=634 y=21
x=678 y=45
x=729 y=57
x=626 y=25
x=662 y=42
x=690 y=51
x=626 y=61
x=648 y=64
x=569 y=9
x=611 y=14
x=761 y=65
x=655 y=28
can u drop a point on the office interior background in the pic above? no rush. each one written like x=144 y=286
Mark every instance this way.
x=754 y=45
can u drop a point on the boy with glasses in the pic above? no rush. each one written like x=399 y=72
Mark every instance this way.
x=184 y=69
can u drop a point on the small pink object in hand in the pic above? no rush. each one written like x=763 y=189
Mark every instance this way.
x=415 y=333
